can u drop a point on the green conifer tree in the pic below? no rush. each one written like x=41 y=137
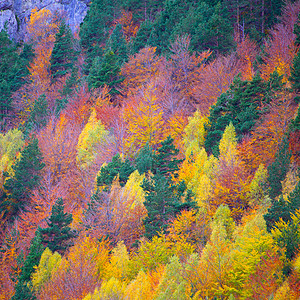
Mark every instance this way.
x=278 y=169
x=58 y=235
x=165 y=159
x=164 y=199
x=117 y=44
x=13 y=70
x=63 y=54
x=38 y=116
x=105 y=70
x=19 y=187
x=142 y=36
x=283 y=209
x=115 y=168
x=94 y=30
x=218 y=34
x=144 y=160
x=295 y=70
x=66 y=91
x=23 y=289
x=242 y=105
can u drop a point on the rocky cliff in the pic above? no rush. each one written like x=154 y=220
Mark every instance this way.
x=14 y=13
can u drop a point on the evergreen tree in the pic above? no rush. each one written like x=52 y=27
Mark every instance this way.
x=116 y=167
x=63 y=54
x=283 y=209
x=105 y=71
x=94 y=30
x=23 y=289
x=143 y=10
x=295 y=70
x=117 y=44
x=142 y=36
x=38 y=116
x=173 y=12
x=66 y=91
x=19 y=187
x=164 y=199
x=289 y=240
x=13 y=70
x=218 y=34
x=279 y=209
x=163 y=160
x=58 y=235
x=242 y=105
x=278 y=169
x=253 y=17
x=144 y=160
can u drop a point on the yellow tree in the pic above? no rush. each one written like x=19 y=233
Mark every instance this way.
x=144 y=120
x=257 y=189
x=185 y=234
x=151 y=254
x=80 y=272
x=93 y=138
x=10 y=145
x=172 y=285
x=194 y=133
x=119 y=263
x=48 y=262
x=252 y=244
x=140 y=287
x=110 y=289
x=232 y=182
x=216 y=259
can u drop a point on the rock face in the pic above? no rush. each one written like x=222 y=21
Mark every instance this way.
x=15 y=13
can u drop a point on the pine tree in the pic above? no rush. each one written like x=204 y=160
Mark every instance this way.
x=165 y=161
x=165 y=23
x=115 y=168
x=295 y=70
x=66 y=91
x=278 y=169
x=63 y=54
x=144 y=160
x=242 y=105
x=218 y=35
x=164 y=199
x=19 y=187
x=283 y=209
x=13 y=70
x=23 y=289
x=105 y=71
x=142 y=36
x=95 y=29
x=38 y=116
x=58 y=235
x=117 y=44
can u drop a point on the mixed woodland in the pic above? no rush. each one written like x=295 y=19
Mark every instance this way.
x=153 y=153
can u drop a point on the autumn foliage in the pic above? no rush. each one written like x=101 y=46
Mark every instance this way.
x=168 y=171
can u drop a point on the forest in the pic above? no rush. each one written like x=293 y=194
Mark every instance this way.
x=153 y=153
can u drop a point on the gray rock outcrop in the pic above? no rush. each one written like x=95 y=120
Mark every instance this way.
x=15 y=13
